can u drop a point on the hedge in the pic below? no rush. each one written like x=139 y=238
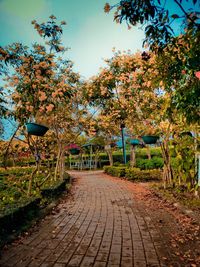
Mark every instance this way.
x=55 y=190
x=142 y=152
x=16 y=217
x=115 y=171
x=149 y=164
x=134 y=173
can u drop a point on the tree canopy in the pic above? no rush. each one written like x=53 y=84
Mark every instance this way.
x=155 y=15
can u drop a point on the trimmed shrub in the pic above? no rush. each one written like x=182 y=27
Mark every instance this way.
x=158 y=162
x=135 y=174
x=142 y=152
x=116 y=164
x=54 y=190
x=9 y=163
x=103 y=163
x=13 y=218
x=115 y=171
x=149 y=164
x=117 y=157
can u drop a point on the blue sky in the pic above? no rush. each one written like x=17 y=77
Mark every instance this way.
x=90 y=33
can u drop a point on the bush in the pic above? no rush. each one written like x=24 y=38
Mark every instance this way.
x=158 y=162
x=25 y=162
x=175 y=163
x=117 y=157
x=9 y=163
x=149 y=164
x=117 y=164
x=142 y=152
x=115 y=171
x=103 y=163
x=54 y=190
x=135 y=174
x=15 y=217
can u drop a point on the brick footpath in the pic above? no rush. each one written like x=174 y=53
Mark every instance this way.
x=100 y=225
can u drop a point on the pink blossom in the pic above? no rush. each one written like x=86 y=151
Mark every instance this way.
x=42 y=109
x=54 y=94
x=29 y=108
x=42 y=96
x=72 y=146
x=50 y=107
x=183 y=71
x=197 y=74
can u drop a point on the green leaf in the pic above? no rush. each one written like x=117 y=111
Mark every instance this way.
x=175 y=16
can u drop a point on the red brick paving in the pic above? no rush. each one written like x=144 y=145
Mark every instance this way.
x=100 y=226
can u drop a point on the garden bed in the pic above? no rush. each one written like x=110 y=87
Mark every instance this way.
x=54 y=190
x=17 y=210
x=14 y=217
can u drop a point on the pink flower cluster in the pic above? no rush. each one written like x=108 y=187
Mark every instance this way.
x=197 y=74
x=72 y=146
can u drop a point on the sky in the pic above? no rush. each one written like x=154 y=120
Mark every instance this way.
x=90 y=33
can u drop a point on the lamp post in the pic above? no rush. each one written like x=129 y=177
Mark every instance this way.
x=123 y=142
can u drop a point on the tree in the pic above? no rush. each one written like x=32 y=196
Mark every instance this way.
x=42 y=86
x=179 y=65
x=108 y=129
x=156 y=17
x=125 y=93
x=179 y=50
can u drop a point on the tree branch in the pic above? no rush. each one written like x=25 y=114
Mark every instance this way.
x=183 y=10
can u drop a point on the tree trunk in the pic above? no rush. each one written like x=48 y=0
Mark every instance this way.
x=31 y=180
x=167 y=169
x=132 y=156
x=57 y=162
x=96 y=159
x=62 y=165
x=148 y=152
x=110 y=156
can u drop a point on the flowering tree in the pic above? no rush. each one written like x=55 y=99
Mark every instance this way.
x=156 y=17
x=68 y=121
x=104 y=130
x=179 y=64
x=125 y=93
x=42 y=84
x=133 y=90
x=181 y=52
x=176 y=63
